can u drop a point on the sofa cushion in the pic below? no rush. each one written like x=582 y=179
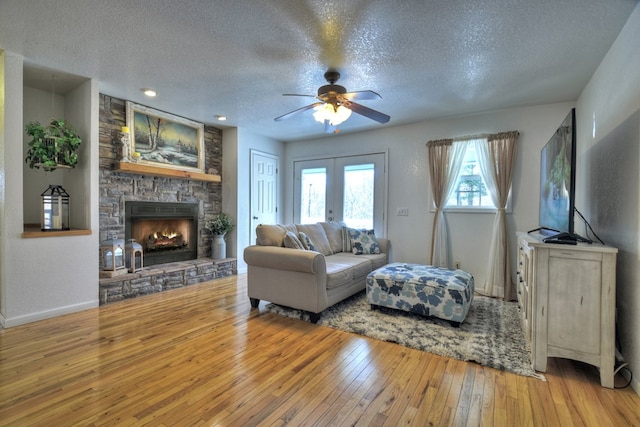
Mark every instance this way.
x=272 y=234
x=292 y=241
x=306 y=242
x=360 y=265
x=338 y=274
x=316 y=233
x=333 y=230
x=377 y=260
x=363 y=242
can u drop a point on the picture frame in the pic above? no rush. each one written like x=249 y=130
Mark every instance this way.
x=161 y=139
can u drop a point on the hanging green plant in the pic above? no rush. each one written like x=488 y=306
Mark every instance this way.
x=52 y=146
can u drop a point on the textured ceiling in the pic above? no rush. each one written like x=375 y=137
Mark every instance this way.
x=427 y=59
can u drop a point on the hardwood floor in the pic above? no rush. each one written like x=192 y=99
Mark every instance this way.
x=201 y=356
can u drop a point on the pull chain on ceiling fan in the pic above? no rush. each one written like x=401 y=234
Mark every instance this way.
x=335 y=104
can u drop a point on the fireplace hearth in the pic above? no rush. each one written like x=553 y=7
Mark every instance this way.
x=168 y=232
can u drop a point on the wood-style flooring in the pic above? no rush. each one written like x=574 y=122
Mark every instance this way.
x=201 y=356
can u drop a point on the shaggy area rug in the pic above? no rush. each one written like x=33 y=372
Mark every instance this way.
x=491 y=334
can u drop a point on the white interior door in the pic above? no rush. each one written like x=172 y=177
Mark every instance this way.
x=349 y=189
x=264 y=180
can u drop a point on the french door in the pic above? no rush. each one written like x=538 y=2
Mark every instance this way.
x=349 y=189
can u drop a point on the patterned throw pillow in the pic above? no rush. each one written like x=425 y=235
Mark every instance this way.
x=363 y=242
x=306 y=242
x=346 y=240
x=292 y=241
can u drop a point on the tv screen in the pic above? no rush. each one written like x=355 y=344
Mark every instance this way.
x=557 y=179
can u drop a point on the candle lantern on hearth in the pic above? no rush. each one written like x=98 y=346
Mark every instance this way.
x=133 y=256
x=112 y=253
x=54 y=210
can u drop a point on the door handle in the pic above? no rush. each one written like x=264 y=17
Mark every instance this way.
x=255 y=217
x=330 y=218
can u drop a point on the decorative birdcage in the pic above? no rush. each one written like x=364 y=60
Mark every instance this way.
x=53 y=146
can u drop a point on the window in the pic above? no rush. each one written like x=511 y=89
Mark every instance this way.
x=470 y=190
x=470 y=193
x=358 y=200
x=313 y=195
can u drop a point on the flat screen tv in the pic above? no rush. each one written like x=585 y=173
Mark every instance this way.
x=557 y=181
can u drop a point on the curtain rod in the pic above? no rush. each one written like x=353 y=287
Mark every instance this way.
x=479 y=135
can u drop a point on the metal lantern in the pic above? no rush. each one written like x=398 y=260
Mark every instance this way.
x=54 y=211
x=112 y=252
x=133 y=256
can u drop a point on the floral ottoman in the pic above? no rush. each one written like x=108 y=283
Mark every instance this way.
x=422 y=289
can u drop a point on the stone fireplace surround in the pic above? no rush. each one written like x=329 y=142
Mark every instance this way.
x=117 y=188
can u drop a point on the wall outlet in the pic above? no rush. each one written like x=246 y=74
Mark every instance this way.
x=403 y=211
x=457 y=263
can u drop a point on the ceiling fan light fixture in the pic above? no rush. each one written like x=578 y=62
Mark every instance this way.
x=334 y=115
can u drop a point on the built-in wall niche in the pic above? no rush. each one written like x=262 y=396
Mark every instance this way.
x=51 y=94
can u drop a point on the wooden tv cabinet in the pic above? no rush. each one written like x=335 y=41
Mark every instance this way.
x=567 y=297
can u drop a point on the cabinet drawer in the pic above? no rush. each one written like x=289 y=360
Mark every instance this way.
x=575 y=254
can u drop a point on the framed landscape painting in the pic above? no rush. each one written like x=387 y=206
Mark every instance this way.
x=165 y=140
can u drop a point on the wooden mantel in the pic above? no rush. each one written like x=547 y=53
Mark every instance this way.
x=170 y=173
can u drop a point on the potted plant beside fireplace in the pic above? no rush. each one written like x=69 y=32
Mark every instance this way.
x=52 y=146
x=219 y=227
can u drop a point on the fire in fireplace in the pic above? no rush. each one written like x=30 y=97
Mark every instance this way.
x=166 y=231
x=158 y=235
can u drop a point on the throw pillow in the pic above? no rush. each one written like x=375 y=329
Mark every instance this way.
x=306 y=241
x=269 y=234
x=363 y=242
x=333 y=230
x=318 y=237
x=346 y=240
x=292 y=241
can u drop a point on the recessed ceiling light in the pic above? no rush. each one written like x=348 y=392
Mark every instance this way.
x=148 y=92
x=221 y=118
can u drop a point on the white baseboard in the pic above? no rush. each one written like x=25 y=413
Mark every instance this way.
x=34 y=317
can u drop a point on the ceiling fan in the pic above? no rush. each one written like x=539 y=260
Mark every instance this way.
x=335 y=104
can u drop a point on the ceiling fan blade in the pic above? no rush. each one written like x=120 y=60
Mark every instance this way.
x=298 y=94
x=299 y=110
x=368 y=112
x=361 y=94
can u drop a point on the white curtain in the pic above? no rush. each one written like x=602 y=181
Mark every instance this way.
x=445 y=161
x=496 y=158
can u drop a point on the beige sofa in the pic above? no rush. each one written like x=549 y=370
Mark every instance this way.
x=281 y=270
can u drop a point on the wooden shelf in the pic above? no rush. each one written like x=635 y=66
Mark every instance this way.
x=170 y=173
x=35 y=231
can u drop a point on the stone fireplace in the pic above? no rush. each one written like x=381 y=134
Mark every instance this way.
x=167 y=231
x=165 y=214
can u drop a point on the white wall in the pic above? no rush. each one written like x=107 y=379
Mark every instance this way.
x=236 y=156
x=409 y=183
x=45 y=277
x=37 y=108
x=608 y=118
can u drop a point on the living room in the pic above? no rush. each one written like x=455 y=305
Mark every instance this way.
x=608 y=118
